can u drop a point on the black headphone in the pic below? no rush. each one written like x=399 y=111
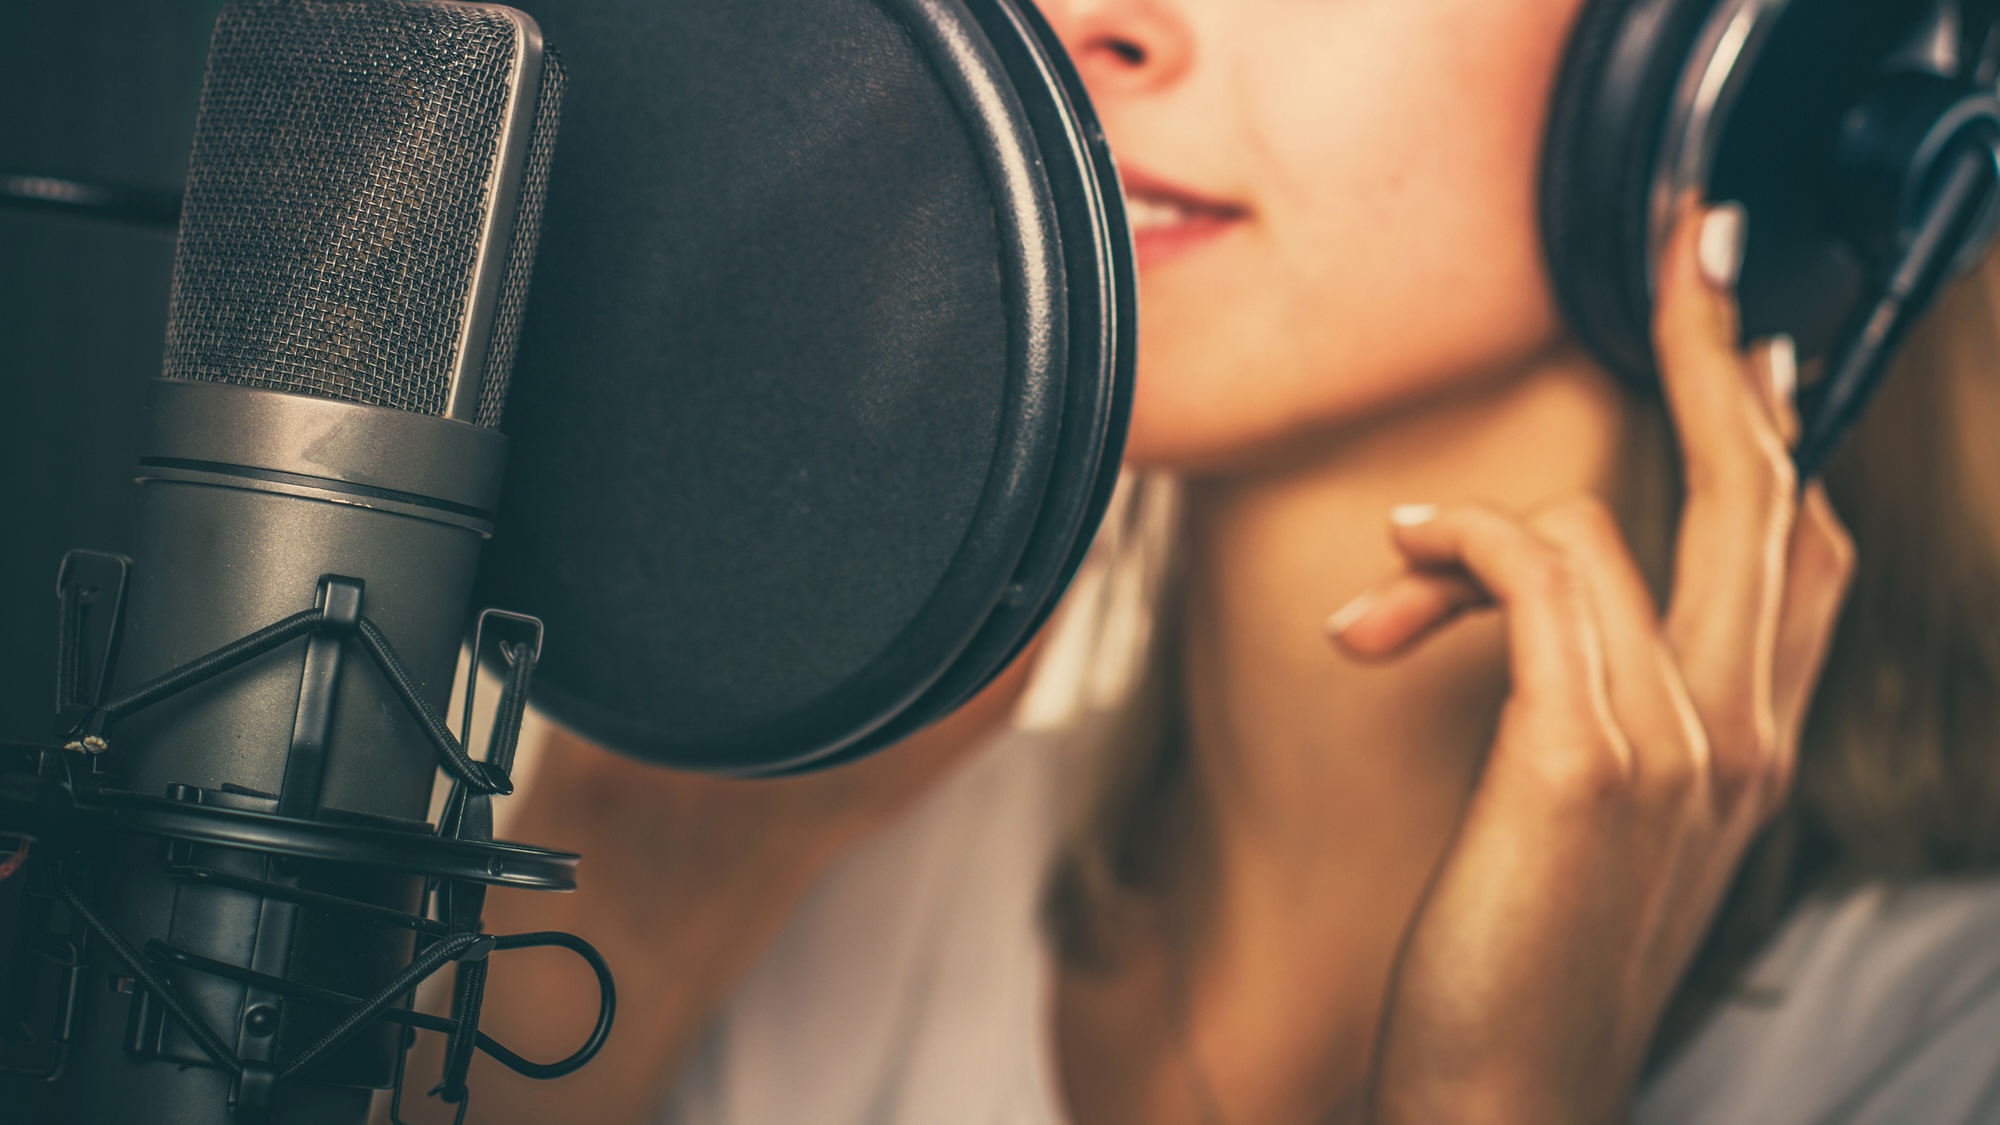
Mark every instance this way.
x=1862 y=136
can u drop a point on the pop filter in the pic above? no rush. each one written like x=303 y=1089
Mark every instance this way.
x=822 y=386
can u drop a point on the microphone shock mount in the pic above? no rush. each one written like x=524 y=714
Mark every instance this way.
x=299 y=933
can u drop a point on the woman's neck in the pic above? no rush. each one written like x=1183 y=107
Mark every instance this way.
x=1321 y=791
x=1327 y=788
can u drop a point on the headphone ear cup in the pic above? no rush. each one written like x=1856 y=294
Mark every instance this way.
x=1624 y=61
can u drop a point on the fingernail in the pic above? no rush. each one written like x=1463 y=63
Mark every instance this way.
x=1784 y=353
x=1345 y=617
x=1724 y=231
x=1412 y=515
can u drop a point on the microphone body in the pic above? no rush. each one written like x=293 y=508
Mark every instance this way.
x=243 y=511
x=361 y=212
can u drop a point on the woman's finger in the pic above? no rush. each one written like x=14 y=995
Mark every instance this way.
x=1735 y=535
x=1554 y=650
x=1820 y=571
x=1397 y=615
x=1673 y=806
x=1647 y=694
x=1777 y=361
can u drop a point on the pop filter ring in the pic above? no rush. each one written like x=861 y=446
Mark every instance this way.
x=965 y=63
x=1103 y=360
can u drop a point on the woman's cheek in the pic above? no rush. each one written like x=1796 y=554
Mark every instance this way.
x=1363 y=294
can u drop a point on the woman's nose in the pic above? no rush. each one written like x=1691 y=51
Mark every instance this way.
x=1123 y=46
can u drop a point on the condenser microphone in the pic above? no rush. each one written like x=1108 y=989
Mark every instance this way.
x=355 y=245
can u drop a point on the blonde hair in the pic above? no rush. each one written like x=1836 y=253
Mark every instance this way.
x=1900 y=763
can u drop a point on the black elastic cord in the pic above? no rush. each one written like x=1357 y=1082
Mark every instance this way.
x=214 y=663
x=355 y=1021
x=422 y=1021
x=460 y=817
x=455 y=759
x=607 y=1005
x=479 y=777
x=475 y=821
x=318 y=900
x=197 y=1027
x=513 y=706
x=468 y=997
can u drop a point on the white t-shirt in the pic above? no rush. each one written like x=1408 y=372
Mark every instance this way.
x=913 y=987
x=1880 y=1007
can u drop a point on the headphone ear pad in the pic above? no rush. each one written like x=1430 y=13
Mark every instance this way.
x=1624 y=61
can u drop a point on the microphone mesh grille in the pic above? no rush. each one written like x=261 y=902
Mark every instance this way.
x=336 y=196
x=521 y=256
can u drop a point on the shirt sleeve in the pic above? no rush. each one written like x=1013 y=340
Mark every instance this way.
x=1881 y=1005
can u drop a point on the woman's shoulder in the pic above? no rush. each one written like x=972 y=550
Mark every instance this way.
x=1881 y=1004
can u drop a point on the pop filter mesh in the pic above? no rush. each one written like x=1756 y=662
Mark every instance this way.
x=761 y=382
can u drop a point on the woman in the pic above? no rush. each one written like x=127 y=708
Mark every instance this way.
x=1454 y=865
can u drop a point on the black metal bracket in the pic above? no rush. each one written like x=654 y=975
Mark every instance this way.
x=339 y=605
x=90 y=586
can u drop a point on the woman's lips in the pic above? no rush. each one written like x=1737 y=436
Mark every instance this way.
x=1168 y=220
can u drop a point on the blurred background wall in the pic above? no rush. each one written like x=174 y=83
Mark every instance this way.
x=102 y=91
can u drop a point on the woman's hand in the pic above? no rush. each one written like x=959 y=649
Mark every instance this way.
x=1637 y=755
